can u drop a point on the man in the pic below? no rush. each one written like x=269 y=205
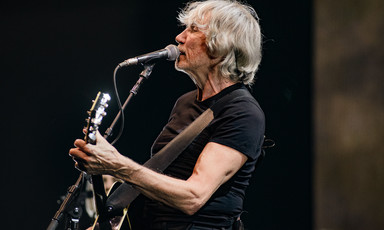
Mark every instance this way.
x=204 y=188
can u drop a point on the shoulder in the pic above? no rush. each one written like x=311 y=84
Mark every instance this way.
x=240 y=104
x=240 y=124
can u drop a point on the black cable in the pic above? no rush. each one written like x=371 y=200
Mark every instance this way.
x=119 y=106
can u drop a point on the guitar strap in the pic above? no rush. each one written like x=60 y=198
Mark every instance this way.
x=126 y=193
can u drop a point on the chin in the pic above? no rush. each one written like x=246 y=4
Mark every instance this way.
x=179 y=66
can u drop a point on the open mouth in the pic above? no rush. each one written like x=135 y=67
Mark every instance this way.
x=182 y=52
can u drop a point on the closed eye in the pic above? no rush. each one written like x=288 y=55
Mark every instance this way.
x=194 y=28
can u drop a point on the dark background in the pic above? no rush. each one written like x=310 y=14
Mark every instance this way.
x=55 y=57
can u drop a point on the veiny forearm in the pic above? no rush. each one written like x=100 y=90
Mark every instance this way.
x=180 y=194
x=102 y=158
x=185 y=195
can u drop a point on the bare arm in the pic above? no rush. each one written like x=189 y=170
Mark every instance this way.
x=216 y=165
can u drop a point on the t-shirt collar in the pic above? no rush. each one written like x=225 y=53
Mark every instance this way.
x=210 y=101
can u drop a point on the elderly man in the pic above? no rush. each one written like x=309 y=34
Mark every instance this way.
x=204 y=188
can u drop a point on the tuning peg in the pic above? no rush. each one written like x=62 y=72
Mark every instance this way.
x=106 y=96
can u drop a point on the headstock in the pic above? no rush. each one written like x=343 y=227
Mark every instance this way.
x=95 y=116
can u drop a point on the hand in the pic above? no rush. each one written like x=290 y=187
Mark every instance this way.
x=101 y=158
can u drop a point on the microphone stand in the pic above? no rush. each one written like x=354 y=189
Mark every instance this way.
x=69 y=206
x=143 y=75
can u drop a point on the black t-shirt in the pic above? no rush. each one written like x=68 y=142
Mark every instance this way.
x=240 y=125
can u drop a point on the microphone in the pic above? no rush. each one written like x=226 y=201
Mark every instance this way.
x=171 y=53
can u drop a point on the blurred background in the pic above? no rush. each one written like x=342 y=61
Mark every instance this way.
x=320 y=86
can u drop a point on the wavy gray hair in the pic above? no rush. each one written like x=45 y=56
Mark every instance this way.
x=232 y=31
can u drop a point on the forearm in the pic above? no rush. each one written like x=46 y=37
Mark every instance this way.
x=186 y=195
x=180 y=194
x=102 y=158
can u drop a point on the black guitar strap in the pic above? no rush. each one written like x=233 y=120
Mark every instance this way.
x=126 y=193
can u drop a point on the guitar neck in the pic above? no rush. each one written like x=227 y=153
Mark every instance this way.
x=95 y=116
x=99 y=193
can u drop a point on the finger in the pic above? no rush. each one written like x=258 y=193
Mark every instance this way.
x=79 y=143
x=77 y=153
x=82 y=145
x=80 y=166
x=80 y=163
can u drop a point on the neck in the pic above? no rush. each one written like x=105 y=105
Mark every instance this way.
x=213 y=85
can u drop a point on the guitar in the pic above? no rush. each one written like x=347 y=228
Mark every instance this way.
x=95 y=116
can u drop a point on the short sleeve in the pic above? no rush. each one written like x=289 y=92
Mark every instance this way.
x=240 y=125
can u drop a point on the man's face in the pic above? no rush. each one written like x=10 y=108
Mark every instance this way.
x=194 y=58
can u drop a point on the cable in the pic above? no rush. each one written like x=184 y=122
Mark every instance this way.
x=119 y=106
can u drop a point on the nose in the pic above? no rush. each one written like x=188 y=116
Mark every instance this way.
x=180 y=38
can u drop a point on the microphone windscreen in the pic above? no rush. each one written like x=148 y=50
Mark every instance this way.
x=173 y=52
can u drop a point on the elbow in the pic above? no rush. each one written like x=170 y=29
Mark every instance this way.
x=191 y=210
x=194 y=200
x=192 y=207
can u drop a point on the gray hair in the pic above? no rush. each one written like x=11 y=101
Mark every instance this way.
x=232 y=32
